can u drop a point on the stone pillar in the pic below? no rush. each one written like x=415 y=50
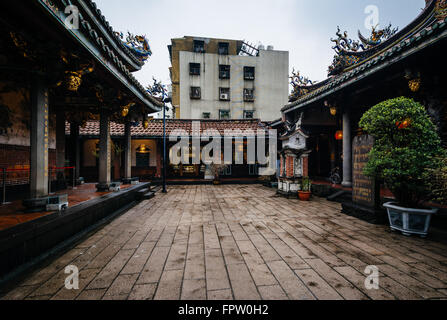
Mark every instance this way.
x=60 y=139
x=127 y=152
x=76 y=151
x=347 y=151
x=104 y=153
x=39 y=140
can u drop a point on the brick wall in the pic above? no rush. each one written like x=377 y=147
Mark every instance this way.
x=281 y=166
x=305 y=166
x=18 y=157
x=289 y=167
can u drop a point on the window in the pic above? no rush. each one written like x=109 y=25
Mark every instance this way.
x=224 y=72
x=206 y=115
x=194 y=69
x=249 y=73
x=223 y=48
x=224 y=114
x=249 y=95
x=224 y=94
x=199 y=46
x=196 y=93
x=249 y=114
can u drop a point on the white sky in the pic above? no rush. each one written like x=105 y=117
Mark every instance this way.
x=302 y=27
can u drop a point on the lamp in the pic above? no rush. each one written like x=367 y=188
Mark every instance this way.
x=333 y=111
x=414 y=84
x=143 y=149
x=339 y=135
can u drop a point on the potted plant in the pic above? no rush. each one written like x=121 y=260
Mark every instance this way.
x=305 y=188
x=406 y=146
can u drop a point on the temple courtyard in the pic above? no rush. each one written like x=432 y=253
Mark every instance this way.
x=241 y=242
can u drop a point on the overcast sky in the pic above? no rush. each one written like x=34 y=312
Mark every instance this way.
x=302 y=27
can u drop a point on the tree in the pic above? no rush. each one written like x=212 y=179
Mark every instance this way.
x=405 y=149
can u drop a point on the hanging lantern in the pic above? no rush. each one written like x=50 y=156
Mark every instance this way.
x=414 y=84
x=339 y=135
x=333 y=111
x=73 y=80
x=125 y=111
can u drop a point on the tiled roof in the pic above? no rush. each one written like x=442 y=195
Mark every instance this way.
x=155 y=128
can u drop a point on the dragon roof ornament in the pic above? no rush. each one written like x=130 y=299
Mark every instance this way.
x=138 y=45
x=350 y=52
x=157 y=90
x=301 y=85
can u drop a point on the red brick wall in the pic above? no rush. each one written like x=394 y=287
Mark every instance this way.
x=281 y=166
x=289 y=166
x=306 y=166
x=18 y=157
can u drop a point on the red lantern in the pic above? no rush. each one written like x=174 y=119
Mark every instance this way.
x=339 y=135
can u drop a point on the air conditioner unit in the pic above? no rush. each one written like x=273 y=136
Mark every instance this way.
x=224 y=96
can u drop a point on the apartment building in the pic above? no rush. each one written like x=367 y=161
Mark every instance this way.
x=227 y=79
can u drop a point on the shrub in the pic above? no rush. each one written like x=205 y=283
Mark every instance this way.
x=437 y=178
x=405 y=148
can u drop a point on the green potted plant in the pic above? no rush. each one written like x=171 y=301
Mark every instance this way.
x=305 y=192
x=406 y=146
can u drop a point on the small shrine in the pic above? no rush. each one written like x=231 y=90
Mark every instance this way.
x=294 y=159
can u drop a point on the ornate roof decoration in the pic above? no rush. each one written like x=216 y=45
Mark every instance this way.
x=300 y=84
x=350 y=52
x=139 y=45
x=158 y=90
x=441 y=9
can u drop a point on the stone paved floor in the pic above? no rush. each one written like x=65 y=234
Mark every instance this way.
x=241 y=242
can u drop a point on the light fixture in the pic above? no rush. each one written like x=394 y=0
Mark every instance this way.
x=339 y=135
x=414 y=84
x=333 y=111
x=143 y=149
x=145 y=124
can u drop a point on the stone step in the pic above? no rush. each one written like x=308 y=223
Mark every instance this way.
x=148 y=195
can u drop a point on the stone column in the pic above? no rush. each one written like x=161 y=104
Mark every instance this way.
x=76 y=151
x=127 y=153
x=39 y=140
x=60 y=138
x=347 y=151
x=104 y=153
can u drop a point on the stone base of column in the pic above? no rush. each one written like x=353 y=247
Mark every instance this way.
x=35 y=205
x=102 y=187
x=346 y=184
x=130 y=180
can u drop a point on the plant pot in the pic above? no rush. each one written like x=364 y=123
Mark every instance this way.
x=304 y=195
x=409 y=221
